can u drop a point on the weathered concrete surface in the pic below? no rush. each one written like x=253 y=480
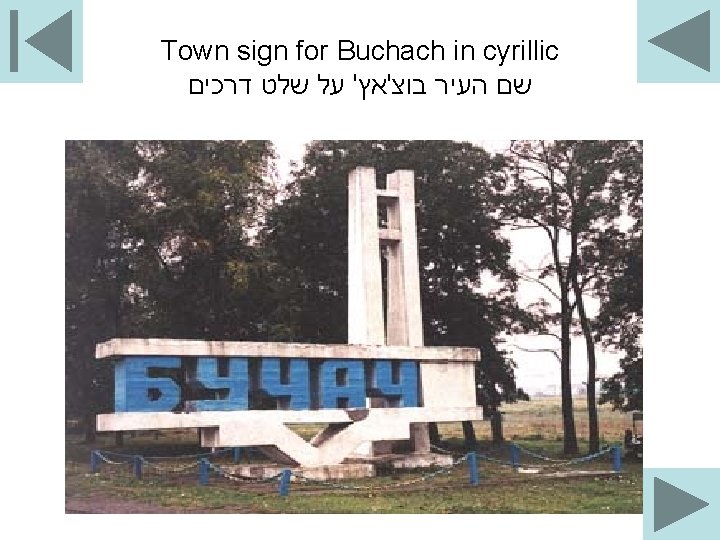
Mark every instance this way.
x=445 y=385
x=404 y=311
x=404 y=317
x=328 y=472
x=187 y=347
x=169 y=420
x=421 y=461
x=365 y=306
x=420 y=435
x=267 y=428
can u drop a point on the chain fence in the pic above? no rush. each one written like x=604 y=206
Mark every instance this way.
x=303 y=482
x=223 y=472
x=553 y=464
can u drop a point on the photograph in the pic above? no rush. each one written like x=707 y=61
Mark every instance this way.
x=353 y=326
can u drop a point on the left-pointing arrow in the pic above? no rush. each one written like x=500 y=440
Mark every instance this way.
x=55 y=40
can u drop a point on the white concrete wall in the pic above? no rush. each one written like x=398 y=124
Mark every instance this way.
x=445 y=385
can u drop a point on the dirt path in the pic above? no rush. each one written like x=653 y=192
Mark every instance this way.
x=101 y=504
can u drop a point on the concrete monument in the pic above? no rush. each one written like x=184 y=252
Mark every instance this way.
x=384 y=386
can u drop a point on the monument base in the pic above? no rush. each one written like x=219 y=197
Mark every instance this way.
x=350 y=429
x=421 y=461
x=328 y=472
x=354 y=467
x=404 y=461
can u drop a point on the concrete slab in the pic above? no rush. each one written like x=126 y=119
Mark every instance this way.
x=448 y=385
x=328 y=472
x=169 y=420
x=421 y=461
x=268 y=428
x=188 y=347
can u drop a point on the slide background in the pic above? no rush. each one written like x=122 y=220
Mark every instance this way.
x=131 y=91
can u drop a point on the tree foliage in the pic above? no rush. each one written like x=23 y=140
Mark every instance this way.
x=620 y=319
x=158 y=243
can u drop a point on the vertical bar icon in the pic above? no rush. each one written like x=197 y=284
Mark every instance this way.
x=13 y=40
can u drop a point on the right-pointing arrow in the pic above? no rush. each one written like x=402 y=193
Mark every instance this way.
x=689 y=40
x=672 y=504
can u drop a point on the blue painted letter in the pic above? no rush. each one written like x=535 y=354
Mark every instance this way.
x=297 y=387
x=235 y=384
x=405 y=389
x=136 y=391
x=342 y=384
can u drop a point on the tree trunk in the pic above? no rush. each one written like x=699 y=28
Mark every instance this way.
x=564 y=277
x=89 y=421
x=590 y=346
x=570 y=445
x=496 y=427
x=434 y=433
x=573 y=271
x=469 y=435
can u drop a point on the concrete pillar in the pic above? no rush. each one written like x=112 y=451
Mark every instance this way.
x=365 y=306
x=404 y=324
x=366 y=324
x=420 y=437
x=404 y=311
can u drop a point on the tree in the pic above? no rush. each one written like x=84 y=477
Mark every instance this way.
x=620 y=324
x=572 y=191
x=619 y=321
x=158 y=244
x=203 y=205
x=98 y=206
x=461 y=249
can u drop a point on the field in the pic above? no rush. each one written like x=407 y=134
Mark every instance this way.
x=541 y=419
x=171 y=486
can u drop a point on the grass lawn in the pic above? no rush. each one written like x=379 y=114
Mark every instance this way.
x=532 y=425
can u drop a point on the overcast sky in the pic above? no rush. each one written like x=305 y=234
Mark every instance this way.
x=535 y=371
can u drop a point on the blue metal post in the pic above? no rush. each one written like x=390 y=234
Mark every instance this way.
x=237 y=453
x=137 y=466
x=94 y=462
x=473 y=468
x=617 y=458
x=203 y=471
x=514 y=455
x=284 y=487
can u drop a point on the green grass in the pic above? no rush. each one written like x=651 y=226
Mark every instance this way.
x=533 y=425
x=501 y=491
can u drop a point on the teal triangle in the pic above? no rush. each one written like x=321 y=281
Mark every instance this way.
x=673 y=504
x=55 y=40
x=689 y=40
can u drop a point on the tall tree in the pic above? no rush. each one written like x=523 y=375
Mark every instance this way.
x=572 y=190
x=461 y=249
